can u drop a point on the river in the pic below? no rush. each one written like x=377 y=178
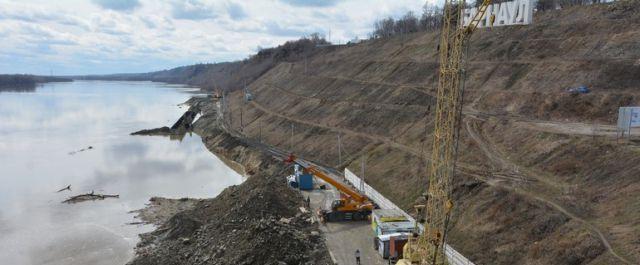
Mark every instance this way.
x=42 y=134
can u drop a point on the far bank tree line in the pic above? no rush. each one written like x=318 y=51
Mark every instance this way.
x=20 y=81
x=431 y=17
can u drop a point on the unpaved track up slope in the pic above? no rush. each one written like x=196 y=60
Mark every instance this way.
x=494 y=156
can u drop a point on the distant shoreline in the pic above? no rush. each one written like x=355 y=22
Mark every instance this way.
x=21 y=82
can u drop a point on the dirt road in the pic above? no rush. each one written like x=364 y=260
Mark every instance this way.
x=344 y=238
x=499 y=160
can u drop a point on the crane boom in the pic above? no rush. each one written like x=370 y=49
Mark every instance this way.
x=341 y=187
x=350 y=206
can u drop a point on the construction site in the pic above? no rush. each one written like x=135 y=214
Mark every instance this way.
x=500 y=138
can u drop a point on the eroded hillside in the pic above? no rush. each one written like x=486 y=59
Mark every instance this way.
x=541 y=178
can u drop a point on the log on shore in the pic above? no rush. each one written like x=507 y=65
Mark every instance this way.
x=89 y=197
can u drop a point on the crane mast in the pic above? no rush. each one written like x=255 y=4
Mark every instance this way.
x=429 y=248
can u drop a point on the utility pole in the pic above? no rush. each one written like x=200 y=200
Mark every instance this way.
x=230 y=115
x=244 y=95
x=362 y=166
x=259 y=130
x=305 y=63
x=594 y=130
x=241 y=123
x=291 y=139
x=631 y=115
x=339 y=150
x=222 y=110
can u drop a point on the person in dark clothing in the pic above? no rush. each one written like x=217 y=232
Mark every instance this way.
x=358 y=256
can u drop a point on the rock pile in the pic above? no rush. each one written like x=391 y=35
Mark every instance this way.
x=258 y=222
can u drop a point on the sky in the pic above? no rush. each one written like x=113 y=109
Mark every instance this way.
x=74 y=37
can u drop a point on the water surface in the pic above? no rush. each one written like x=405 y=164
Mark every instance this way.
x=39 y=133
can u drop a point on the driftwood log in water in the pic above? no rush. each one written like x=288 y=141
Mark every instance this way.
x=65 y=188
x=89 y=197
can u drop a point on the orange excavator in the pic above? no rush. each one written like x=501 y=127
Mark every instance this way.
x=351 y=206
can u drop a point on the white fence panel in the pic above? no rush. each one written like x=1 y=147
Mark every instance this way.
x=454 y=257
x=628 y=117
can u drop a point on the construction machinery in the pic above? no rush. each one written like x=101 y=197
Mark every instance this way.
x=351 y=206
x=428 y=247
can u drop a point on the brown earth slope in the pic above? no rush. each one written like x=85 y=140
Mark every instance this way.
x=525 y=194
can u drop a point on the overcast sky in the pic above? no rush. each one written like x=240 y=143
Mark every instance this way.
x=118 y=36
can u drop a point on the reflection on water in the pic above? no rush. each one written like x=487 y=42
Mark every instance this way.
x=38 y=131
x=18 y=88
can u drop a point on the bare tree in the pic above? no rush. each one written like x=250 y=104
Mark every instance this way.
x=317 y=38
x=431 y=19
x=410 y=22
x=385 y=28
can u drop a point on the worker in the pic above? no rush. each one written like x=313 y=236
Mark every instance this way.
x=358 y=256
x=308 y=202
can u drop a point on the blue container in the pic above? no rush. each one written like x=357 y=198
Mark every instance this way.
x=305 y=181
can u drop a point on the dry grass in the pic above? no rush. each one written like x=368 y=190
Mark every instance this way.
x=376 y=95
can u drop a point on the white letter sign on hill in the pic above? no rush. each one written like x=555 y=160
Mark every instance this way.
x=517 y=12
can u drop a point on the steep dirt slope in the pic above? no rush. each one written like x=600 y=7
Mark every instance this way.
x=593 y=46
x=523 y=195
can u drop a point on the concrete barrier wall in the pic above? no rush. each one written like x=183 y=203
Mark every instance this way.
x=454 y=257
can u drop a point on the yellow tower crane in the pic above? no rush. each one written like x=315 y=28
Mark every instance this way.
x=428 y=247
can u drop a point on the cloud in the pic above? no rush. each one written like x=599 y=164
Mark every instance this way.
x=159 y=23
x=312 y=3
x=192 y=10
x=26 y=15
x=112 y=23
x=236 y=12
x=118 y=5
x=275 y=28
x=85 y=37
x=39 y=15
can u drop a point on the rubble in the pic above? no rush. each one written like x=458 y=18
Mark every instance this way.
x=256 y=222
